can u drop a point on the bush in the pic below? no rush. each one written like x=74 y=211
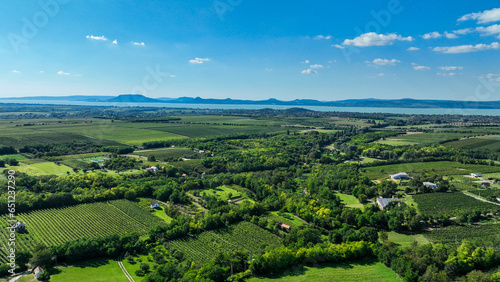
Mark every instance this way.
x=139 y=272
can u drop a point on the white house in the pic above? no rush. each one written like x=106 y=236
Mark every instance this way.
x=154 y=205
x=19 y=227
x=383 y=202
x=476 y=175
x=430 y=184
x=400 y=176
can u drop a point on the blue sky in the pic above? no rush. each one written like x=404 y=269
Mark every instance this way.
x=242 y=49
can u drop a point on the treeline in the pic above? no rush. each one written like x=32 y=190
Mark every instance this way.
x=72 y=148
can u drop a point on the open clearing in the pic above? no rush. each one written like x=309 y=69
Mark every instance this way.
x=350 y=201
x=366 y=270
x=47 y=168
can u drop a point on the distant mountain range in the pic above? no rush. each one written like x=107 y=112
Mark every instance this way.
x=397 y=103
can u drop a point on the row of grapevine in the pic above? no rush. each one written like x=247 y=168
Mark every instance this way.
x=452 y=204
x=455 y=234
x=243 y=236
x=56 y=226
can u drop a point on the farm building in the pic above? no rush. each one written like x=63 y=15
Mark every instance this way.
x=38 y=270
x=383 y=202
x=400 y=176
x=20 y=226
x=154 y=205
x=430 y=184
x=153 y=169
x=285 y=227
x=485 y=185
x=476 y=175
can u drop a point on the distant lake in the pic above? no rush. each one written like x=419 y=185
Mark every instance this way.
x=410 y=111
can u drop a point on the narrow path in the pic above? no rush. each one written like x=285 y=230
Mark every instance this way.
x=19 y=276
x=480 y=199
x=130 y=278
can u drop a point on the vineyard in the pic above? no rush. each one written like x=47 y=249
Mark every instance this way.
x=56 y=226
x=243 y=236
x=455 y=234
x=451 y=204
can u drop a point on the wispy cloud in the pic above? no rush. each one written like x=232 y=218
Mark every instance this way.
x=338 y=46
x=486 y=16
x=62 y=73
x=421 y=68
x=374 y=39
x=308 y=71
x=16 y=71
x=102 y=38
x=490 y=30
x=413 y=49
x=446 y=74
x=451 y=68
x=432 y=35
x=450 y=35
x=319 y=37
x=467 y=48
x=199 y=60
x=493 y=77
x=138 y=43
x=316 y=66
x=306 y=62
x=172 y=75
x=115 y=41
x=384 y=62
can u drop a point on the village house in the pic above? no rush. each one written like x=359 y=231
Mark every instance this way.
x=285 y=227
x=383 y=202
x=400 y=176
x=430 y=184
x=153 y=169
x=38 y=270
x=154 y=205
x=20 y=226
x=476 y=175
x=485 y=185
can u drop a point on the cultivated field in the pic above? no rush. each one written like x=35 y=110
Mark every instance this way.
x=243 y=236
x=452 y=204
x=454 y=235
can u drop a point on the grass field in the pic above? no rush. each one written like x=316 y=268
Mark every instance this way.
x=440 y=168
x=243 y=236
x=94 y=270
x=56 y=226
x=423 y=138
x=406 y=239
x=286 y=218
x=199 y=130
x=13 y=156
x=452 y=204
x=365 y=270
x=350 y=201
x=46 y=168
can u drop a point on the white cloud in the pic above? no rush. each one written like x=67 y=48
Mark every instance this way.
x=115 y=41
x=493 y=77
x=451 y=68
x=308 y=71
x=421 y=68
x=62 y=73
x=16 y=71
x=199 y=60
x=450 y=35
x=467 y=48
x=338 y=46
x=486 y=16
x=490 y=30
x=138 y=43
x=97 y=37
x=384 y=62
x=446 y=74
x=432 y=35
x=413 y=49
x=374 y=39
x=306 y=62
x=319 y=37
x=463 y=31
x=172 y=75
x=316 y=66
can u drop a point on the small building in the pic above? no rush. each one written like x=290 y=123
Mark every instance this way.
x=230 y=202
x=153 y=169
x=476 y=175
x=485 y=185
x=201 y=151
x=38 y=270
x=285 y=227
x=400 y=176
x=154 y=205
x=19 y=227
x=430 y=184
x=383 y=202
